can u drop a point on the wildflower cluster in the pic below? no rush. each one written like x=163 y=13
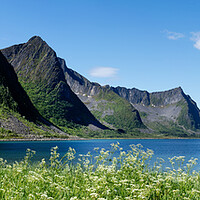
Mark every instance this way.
x=106 y=176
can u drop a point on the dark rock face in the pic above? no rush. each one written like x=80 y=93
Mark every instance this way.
x=165 y=108
x=78 y=83
x=107 y=106
x=14 y=98
x=37 y=66
x=172 y=105
x=136 y=96
x=193 y=112
x=17 y=95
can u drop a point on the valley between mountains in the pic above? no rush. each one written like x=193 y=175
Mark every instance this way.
x=40 y=97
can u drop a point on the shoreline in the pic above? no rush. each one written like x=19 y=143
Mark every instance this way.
x=41 y=139
x=77 y=138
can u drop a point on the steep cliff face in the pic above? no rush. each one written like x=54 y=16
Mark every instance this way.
x=54 y=89
x=40 y=73
x=136 y=96
x=163 y=112
x=18 y=116
x=107 y=106
x=13 y=95
x=78 y=83
x=168 y=106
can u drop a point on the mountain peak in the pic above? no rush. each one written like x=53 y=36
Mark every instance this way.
x=39 y=69
x=36 y=38
x=37 y=42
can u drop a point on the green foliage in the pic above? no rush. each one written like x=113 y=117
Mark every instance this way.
x=49 y=103
x=38 y=130
x=116 y=111
x=8 y=134
x=170 y=129
x=184 y=118
x=6 y=99
x=143 y=114
x=111 y=175
x=136 y=133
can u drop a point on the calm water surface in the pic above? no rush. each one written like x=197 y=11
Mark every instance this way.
x=163 y=148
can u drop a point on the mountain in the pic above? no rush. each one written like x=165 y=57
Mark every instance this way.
x=18 y=117
x=168 y=113
x=164 y=108
x=71 y=101
x=40 y=73
x=107 y=106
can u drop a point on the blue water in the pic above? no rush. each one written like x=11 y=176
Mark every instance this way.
x=163 y=148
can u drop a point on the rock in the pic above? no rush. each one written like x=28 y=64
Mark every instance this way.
x=39 y=70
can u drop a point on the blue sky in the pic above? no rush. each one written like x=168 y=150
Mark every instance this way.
x=151 y=45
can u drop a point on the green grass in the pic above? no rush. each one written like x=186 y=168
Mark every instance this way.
x=104 y=176
x=34 y=128
x=189 y=116
x=183 y=116
x=47 y=103
x=169 y=128
x=136 y=133
x=6 y=99
x=121 y=114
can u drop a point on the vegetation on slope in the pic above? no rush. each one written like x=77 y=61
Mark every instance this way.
x=22 y=128
x=18 y=117
x=6 y=98
x=189 y=115
x=47 y=103
x=40 y=73
x=117 y=111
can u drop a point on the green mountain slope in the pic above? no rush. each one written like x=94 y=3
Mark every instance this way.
x=40 y=73
x=169 y=112
x=18 y=117
x=59 y=93
x=108 y=107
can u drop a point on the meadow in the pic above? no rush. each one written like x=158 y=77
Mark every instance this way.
x=109 y=174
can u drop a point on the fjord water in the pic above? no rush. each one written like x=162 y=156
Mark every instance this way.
x=163 y=148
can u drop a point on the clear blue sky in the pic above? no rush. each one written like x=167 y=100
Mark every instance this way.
x=151 y=45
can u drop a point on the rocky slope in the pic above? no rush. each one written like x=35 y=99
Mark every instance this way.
x=18 y=117
x=40 y=73
x=54 y=89
x=172 y=106
x=108 y=107
x=170 y=112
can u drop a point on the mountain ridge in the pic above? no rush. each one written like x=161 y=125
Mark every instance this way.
x=18 y=116
x=125 y=110
x=172 y=110
x=161 y=100
x=40 y=73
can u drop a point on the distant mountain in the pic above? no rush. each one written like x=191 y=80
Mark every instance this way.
x=170 y=112
x=18 y=117
x=164 y=110
x=107 y=106
x=40 y=73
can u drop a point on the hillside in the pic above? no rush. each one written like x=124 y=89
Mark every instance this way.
x=18 y=117
x=170 y=113
x=108 y=107
x=72 y=102
x=42 y=77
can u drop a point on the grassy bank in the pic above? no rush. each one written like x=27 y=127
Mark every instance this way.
x=101 y=177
